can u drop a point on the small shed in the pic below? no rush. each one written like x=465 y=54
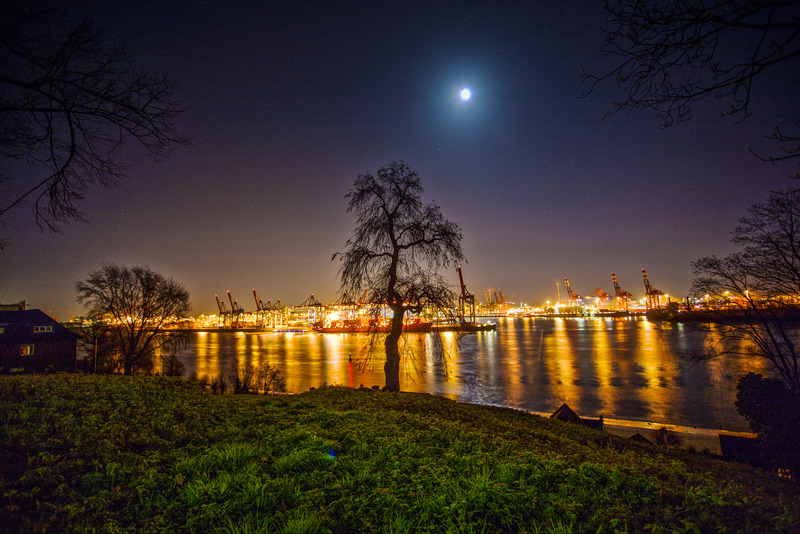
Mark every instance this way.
x=32 y=341
x=638 y=438
x=565 y=413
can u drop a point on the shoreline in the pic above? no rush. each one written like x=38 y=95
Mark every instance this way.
x=697 y=437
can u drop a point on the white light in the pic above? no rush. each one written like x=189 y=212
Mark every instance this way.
x=465 y=94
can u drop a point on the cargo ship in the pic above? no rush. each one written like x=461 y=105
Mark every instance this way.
x=347 y=327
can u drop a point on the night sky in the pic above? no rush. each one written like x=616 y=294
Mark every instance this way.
x=288 y=101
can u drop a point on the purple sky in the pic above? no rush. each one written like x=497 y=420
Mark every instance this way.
x=289 y=101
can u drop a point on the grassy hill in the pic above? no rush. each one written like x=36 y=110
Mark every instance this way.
x=148 y=454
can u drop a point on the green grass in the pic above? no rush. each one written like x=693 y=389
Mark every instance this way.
x=153 y=454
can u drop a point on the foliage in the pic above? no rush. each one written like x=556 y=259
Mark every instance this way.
x=396 y=249
x=242 y=379
x=68 y=101
x=98 y=342
x=760 y=285
x=157 y=454
x=774 y=413
x=136 y=305
x=255 y=379
x=270 y=379
x=664 y=437
x=171 y=365
x=667 y=56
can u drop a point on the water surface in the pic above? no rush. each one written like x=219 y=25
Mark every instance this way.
x=624 y=368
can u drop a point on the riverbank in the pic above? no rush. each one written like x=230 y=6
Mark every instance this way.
x=688 y=437
x=698 y=439
x=150 y=454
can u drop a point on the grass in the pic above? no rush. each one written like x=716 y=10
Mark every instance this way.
x=154 y=454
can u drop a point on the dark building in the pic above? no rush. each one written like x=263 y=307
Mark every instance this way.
x=31 y=341
x=566 y=414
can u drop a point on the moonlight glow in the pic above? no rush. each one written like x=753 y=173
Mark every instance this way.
x=465 y=94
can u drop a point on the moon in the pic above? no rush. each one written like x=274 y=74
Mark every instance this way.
x=465 y=94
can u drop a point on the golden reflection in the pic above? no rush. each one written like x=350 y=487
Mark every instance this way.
x=603 y=358
x=656 y=368
x=560 y=358
x=619 y=368
x=511 y=367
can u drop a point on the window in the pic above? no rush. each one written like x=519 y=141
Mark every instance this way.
x=2 y=329
x=26 y=350
x=40 y=329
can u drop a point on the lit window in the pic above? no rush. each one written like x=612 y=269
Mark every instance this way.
x=2 y=329
x=40 y=329
x=26 y=350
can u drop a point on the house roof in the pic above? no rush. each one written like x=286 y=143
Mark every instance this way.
x=638 y=438
x=18 y=327
x=565 y=413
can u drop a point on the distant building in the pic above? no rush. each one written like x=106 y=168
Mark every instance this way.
x=31 y=341
x=17 y=306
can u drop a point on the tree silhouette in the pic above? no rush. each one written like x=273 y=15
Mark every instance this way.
x=667 y=56
x=68 y=102
x=396 y=249
x=760 y=286
x=135 y=305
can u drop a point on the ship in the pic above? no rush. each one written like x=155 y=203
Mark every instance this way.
x=353 y=327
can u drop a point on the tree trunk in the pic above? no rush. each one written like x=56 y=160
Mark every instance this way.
x=392 y=366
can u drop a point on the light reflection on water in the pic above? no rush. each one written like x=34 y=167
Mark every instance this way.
x=625 y=368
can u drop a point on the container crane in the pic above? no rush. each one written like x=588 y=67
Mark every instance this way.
x=262 y=310
x=223 y=311
x=259 y=303
x=236 y=311
x=466 y=299
x=312 y=306
x=653 y=295
x=573 y=298
x=601 y=297
x=622 y=296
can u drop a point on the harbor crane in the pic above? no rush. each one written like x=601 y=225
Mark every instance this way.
x=236 y=311
x=264 y=311
x=259 y=302
x=224 y=314
x=573 y=298
x=312 y=305
x=652 y=294
x=466 y=301
x=621 y=295
x=602 y=298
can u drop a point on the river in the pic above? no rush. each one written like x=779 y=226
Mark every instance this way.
x=623 y=368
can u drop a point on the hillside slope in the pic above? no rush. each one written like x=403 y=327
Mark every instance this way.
x=153 y=454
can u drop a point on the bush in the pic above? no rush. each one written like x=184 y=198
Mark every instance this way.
x=773 y=411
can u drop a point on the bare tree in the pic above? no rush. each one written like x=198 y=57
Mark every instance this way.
x=759 y=286
x=396 y=249
x=136 y=304
x=270 y=379
x=668 y=56
x=758 y=291
x=68 y=101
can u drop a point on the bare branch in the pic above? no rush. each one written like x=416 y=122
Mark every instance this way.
x=135 y=303
x=396 y=249
x=760 y=286
x=68 y=102
x=667 y=56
